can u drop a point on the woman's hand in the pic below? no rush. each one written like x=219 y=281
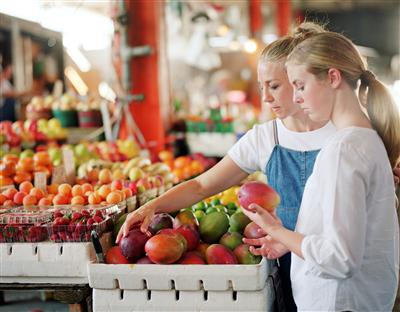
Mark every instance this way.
x=142 y=215
x=264 y=219
x=270 y=248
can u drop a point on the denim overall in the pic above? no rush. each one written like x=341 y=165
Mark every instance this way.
x=287 y=171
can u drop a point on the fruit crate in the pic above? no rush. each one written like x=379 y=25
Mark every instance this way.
x=75 y=232
x=178 y=300
x=131 y=203
x=17 y=227
x=5 y=209
x=179 y=277
x=48 y=262
x=147 y=196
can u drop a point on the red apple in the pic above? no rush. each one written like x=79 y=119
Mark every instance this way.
x=258 y=193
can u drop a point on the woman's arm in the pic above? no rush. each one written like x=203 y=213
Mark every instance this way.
x=220 y=177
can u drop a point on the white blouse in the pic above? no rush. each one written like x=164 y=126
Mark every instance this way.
x=348 y=217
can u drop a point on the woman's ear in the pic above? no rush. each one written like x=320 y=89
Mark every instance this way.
x=334 y=77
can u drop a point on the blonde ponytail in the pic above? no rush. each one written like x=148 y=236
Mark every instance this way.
x=332 y=50
x=384 y=115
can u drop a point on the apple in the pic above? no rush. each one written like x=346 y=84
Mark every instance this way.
x=258 y=193
x=136 y=174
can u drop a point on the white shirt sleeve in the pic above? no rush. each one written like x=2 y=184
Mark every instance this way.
x=338 y=251
x=249 y=150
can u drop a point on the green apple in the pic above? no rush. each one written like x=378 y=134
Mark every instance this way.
x=26 y=153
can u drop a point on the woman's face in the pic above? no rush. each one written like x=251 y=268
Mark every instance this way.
x=313 y=96
x=276 y=90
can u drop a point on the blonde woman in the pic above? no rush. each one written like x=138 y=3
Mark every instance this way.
x=285 y=149
x=345 y=248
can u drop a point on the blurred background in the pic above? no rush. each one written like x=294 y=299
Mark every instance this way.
x=197 y=59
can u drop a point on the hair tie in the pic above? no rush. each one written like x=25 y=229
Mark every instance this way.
x=367 y=76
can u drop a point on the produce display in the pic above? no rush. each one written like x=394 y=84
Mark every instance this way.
x=209 y=232
x=30 y=133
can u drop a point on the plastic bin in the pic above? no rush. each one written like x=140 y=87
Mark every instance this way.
x=68 y=118
x=90 y=119
x=19 y=227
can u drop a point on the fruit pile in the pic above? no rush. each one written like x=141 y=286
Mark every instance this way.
x=65 y=194
x=26 y=134
x=15 y=170
x=76 y=226
x=209 y=232
x=186 y=167
x=23 y=227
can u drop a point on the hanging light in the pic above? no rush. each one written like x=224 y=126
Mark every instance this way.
x=250 y=46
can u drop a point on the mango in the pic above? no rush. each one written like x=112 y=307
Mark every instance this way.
x=258 y=193
x=244 y=255
x=219 y=254
x=213 y=226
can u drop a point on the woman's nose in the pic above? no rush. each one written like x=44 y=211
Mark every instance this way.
x=267 y=97
x=297 y=98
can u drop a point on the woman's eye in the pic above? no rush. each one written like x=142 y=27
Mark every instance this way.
x=274 y=87
x=300 y=88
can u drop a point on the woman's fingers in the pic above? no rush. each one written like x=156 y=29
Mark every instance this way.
x=145 y=225
x=253 y=241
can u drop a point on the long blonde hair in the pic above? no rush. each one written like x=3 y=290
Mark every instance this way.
x=279 y=49
x=328 y=50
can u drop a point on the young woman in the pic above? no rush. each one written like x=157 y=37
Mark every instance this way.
x=345 y=250
x=285 y=149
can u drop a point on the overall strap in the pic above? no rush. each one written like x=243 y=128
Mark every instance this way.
x=275 y=132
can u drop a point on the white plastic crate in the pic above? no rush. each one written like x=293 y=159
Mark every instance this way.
x=175 y=300
x=48 y=262
x=179 y=277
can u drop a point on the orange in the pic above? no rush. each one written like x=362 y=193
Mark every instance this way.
x=169 y=163
x=86 y=187
x=19 y=197
x=37 y=192
x=104 y=190
x=105 y=176
x=197 y=167
x=181 y=162
x=50 y=197
x=128 y=192
x=60 y=200
x=45 y=202
x=3 y=198
x=187 y=172
x=10 y=158
x=8 y=203
x=64 y=189
x=42 y=159
x=94 y=198
x=113 y=198
x=9 y=193
x=5 y=181
x=76 y=190
x=165 y=155
x=52 y=188
x=7 y=169
x=25 y=164
x=26 y=187
x=77 y=200
x=93 y=175
x=29 y=200
x=22 y=176
x=178 y=172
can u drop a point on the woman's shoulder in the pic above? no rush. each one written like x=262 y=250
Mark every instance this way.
x=358 y=143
